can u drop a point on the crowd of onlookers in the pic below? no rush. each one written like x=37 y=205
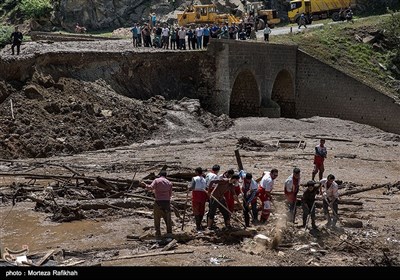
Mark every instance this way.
x=194 y=36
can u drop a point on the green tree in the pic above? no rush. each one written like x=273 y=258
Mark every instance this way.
x=5 y=34
x=35 y=8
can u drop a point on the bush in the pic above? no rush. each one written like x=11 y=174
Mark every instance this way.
x=35 y=8
x=376 y=7
x=392 y=34
x=5 y=34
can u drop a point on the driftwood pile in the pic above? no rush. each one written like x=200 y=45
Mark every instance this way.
x=68 y=196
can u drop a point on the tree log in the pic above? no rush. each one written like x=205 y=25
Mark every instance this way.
x=364 y=189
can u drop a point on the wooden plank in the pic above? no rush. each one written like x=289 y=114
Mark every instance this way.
x=151 y=254
x=45 y=257
x=238 y=160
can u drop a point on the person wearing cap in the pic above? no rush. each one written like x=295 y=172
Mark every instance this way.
x=217 y=199
x=264 y=193
x=199 y=197
x=162 y=189
x=308 y=202
x=249 y=190
x=330 y=195
x=291 y=189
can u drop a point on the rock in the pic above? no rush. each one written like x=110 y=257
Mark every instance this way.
x=351 y=223
x=262 y=239
x=33 y=92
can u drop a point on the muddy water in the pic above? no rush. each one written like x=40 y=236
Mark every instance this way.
x=23 y=226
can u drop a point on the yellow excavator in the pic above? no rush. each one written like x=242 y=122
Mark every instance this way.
x=202 y=14
x=261 y=14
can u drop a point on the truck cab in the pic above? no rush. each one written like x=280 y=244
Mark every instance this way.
x=298 y=7
x=319 y=9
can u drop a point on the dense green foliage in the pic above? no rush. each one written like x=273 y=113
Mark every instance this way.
x=5 y=34
x=376 y=7
x=35 y=8
x=391 y=31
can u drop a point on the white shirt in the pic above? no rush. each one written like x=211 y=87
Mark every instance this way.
x=267 y=30
x=267 y=183
x=289 y=183
x=209 y=177
x=199 y=31
x=198 y=183
x=332 y=192
x=165 y=32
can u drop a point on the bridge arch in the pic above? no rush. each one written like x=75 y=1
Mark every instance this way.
x=283 y=93
x=245 y=99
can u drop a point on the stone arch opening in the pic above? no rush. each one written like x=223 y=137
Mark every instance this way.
x=245 y=99
x=283 y=94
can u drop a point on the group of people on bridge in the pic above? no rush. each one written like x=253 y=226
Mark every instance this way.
x=194 y=36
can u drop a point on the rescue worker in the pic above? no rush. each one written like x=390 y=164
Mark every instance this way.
x=212 y=175
x=249 y=190
x=319 y=158
x=162 y=189
x=230 y=201
x=291 y=189
x=199 y=197
x=330 y=195
x=264 y=193
x=308 y=202
x=217 y=199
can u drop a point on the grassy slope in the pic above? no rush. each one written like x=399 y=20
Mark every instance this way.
x=336 y=44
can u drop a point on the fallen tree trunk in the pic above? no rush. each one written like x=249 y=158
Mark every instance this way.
x=84 y=178
x=364 y=189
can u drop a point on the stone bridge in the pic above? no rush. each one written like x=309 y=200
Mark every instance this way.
x=236 y=78
x=282 y=81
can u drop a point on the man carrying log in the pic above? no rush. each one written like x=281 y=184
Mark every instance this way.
x=217 y=199
x=162 y=189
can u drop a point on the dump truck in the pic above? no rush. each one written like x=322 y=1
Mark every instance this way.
x=201 y=14
x=261 y=14
x=319 y=9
